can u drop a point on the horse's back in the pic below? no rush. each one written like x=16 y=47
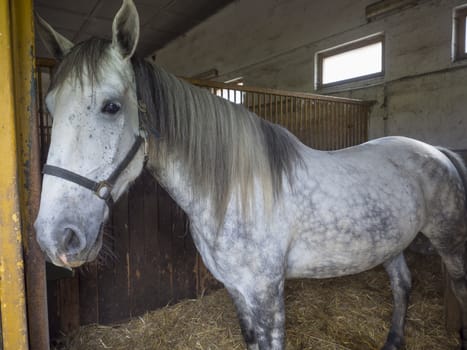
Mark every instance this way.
x=365 y=204
x=397 y=157
x=404 y=152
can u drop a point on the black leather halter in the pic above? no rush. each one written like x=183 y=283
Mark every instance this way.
x=102 y=189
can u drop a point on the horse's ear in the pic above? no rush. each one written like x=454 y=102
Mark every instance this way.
x=125 y=29
x=56 y=43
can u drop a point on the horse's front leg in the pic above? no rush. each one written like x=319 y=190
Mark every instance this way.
x=246 y=319
x=261 y=314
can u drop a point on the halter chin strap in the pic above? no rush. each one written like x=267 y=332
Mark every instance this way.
x=102 y=189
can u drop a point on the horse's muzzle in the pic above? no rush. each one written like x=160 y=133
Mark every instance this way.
x=68 y=246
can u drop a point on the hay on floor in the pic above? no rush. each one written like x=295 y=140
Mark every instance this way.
x=343 y=313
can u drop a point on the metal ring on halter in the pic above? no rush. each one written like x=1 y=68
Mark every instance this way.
x=104 y=190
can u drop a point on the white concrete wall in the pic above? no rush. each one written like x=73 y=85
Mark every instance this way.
x=272 y=43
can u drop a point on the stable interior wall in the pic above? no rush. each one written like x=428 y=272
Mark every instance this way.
x=273 y=43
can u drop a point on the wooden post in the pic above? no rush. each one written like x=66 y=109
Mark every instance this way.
x=29 y=169
x=13 y=308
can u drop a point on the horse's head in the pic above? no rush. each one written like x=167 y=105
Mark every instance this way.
x=95 y=149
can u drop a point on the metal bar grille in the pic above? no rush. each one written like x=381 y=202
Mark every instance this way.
x=321 y=122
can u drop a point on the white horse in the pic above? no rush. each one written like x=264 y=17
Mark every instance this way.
x=263 y=207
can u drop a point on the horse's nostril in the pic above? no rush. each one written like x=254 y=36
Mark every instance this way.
x=71 y=241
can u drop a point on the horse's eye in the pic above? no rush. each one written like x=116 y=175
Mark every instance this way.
x=111 y=108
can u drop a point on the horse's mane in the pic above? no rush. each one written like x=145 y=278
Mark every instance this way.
x=223 y=146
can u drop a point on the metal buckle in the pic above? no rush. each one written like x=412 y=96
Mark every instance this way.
x=103 y=190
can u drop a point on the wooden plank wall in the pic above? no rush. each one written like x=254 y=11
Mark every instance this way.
x=154 y=258
x=155 y=262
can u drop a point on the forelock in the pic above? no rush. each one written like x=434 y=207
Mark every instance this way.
x=87 y=61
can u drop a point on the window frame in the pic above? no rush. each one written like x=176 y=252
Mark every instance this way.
x=359 y=43
x=460 y=15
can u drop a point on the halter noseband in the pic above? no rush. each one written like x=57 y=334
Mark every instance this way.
x=102 y=189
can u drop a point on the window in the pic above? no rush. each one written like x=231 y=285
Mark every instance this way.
x=355 y=61
x=460 y=31
x=233 y=95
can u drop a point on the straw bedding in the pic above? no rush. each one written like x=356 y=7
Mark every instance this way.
x=343 y=313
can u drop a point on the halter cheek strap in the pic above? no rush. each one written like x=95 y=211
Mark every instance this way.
x=102 y=189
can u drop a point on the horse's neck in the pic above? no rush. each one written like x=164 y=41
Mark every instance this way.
x=169 y=173
x=170 y=176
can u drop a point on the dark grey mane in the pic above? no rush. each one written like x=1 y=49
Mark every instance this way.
x=224 y=146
